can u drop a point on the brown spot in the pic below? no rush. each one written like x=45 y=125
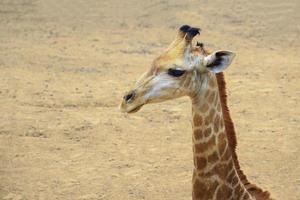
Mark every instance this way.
x=200 y=163
x=211 y=189
x=204 y=108
x=230 y=165
x=198 y=134
x=205 y=174
x=216 y=127
x=224 y=192
x=207 y=120
x=217 y=123
x=199 y=189
x=234 y=180
x=211 y=97
x=221 y=123
x=200 y=148
x=211 y=114
x=203 y=190
x=212 y=158
x=197 y=120
x=246 y=196
x=222 y=170
x=222 y=142
x=219 y=107
x=207 y=132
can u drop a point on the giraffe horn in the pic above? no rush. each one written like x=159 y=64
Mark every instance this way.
x=191 y=33
x=182 y=41
x=180 y=36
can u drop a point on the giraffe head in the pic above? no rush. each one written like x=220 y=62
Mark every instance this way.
x=177 y=72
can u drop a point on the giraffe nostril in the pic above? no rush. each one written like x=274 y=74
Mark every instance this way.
x=129 y=96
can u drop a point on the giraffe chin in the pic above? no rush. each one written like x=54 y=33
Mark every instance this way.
x=135 y=109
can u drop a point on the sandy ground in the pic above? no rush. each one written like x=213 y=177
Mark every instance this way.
x=65 y=65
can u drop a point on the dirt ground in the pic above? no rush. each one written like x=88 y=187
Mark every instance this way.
x=66 y=64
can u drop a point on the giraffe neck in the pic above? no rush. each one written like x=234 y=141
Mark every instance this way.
x=214 y=176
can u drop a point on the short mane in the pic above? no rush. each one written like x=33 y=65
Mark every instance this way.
x=255 y=191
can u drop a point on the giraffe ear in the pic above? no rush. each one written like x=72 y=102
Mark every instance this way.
x=218 y=61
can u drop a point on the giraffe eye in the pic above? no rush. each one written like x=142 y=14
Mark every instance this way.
x=175 y=72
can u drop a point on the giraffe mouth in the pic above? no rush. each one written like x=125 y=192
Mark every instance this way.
x=136 y=109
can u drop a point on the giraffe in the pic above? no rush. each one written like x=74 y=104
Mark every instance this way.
x=187 y=70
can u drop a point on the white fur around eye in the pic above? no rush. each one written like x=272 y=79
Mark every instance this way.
x=160 y=85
